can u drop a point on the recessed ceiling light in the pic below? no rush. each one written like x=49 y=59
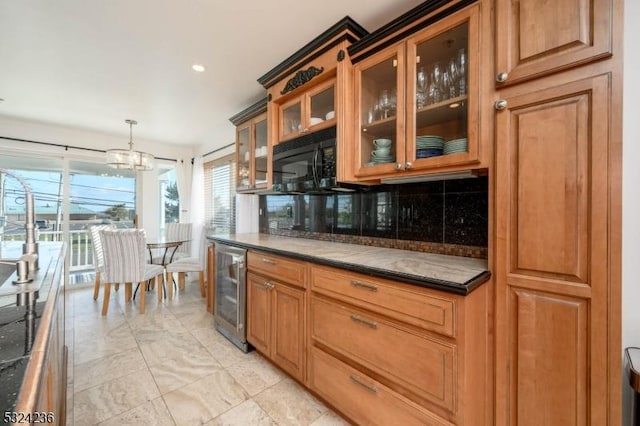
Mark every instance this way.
x=198 y=67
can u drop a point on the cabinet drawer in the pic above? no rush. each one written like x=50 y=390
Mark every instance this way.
x=363 y=399
x=424 y=366
x=283 y=269
x=414 y=305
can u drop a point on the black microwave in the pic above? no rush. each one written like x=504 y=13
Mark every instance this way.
x=306 y=163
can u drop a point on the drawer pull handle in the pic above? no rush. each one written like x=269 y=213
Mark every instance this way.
x=268 y=261
x=364 y=286
x=356 y=379
x=359 y=320
x=268 y=285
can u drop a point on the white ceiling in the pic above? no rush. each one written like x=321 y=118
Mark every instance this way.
x=91 y=64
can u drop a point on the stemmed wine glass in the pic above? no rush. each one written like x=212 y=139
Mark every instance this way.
x=421 y=93
x=385 y=103
x=454 y=72
x=435 y=93
x=461 y=60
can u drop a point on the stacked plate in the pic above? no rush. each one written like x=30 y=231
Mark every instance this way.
x=380 y=159
x=456 y=145
x=429 y=146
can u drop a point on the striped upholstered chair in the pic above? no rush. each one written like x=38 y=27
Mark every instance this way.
x=191 y=264
x=98 y=260
x=176 y=232
x=125 y=262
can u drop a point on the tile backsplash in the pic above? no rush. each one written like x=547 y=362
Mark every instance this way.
x=445 y=217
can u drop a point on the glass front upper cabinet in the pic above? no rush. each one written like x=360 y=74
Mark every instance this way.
x=308 y=112
x=415 y=98
x=260 y=151
x=244 y=156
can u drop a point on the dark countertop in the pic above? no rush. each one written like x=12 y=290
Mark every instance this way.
x=454 y=274
x=19 y=326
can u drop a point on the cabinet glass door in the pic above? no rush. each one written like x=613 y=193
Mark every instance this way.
x=291 y=119
x=441 y=95
x=322 y=106
x=244 y=157
x=261 y=152
x=442 y=90
x=380 y=95
x=230 y=289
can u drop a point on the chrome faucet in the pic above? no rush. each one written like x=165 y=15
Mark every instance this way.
x=30 y=246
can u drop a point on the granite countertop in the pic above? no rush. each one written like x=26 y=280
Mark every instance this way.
x=18 y=326
x=454 y=274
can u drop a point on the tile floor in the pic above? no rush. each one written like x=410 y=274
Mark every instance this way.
x=170 y=367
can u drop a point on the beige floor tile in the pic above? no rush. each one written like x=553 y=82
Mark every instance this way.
x=222 y=349
x=153 y=413
x=330 y=419
x=169 y=346
x=205 y=399
x=247 y=413
x=93 y=373
x=172 y=374
x=256 y=374
x=95 y=345
x=114 y=397
x=289 y=404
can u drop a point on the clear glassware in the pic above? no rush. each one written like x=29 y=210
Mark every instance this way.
x=385 y=103
x=462 y=72
x=454 y=72
x=445 y=87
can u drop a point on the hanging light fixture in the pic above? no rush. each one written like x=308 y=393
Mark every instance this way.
x=129 y=159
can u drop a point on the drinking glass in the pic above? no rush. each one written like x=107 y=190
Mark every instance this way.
x=421 y=79
x=454 y=72
x=446 y=86
x=462 y=71
x=385 y=103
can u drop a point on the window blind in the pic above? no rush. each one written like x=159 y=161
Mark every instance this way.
x=220 y=194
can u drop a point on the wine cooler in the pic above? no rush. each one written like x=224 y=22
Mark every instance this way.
x=231 y=294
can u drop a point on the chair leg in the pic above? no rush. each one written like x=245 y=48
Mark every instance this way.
x=160 y=286
x=181 y=280
x=142 y=294
x=105 y=302
x=96 y=286
x=201 y=281
x=117 y=286
x=127 y=291
x=169 y=285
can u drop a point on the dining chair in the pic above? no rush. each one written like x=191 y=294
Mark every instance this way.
x=98 y=260
x=191 y=264
x=177 y=232
x=125 y=262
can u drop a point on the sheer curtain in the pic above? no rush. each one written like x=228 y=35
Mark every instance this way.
x=197 y=207
x=183 y=181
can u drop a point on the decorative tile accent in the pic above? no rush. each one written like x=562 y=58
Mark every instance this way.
x=448 y=217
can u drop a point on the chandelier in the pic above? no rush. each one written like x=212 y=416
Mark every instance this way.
x=129 y=159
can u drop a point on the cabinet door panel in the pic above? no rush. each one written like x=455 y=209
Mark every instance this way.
x=288 y=330
x=534 y=38
x=258 y=313
x=548 y=381
x=553 y=348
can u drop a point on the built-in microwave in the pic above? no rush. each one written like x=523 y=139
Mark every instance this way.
x=306 y=163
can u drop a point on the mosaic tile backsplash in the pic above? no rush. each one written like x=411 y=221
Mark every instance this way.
x=449 y=217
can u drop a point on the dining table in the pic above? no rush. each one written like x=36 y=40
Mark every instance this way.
x=170 y=247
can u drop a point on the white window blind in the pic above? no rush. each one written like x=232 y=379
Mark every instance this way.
x=220 y=193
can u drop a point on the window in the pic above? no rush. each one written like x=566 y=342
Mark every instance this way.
x=220 y=193
x=169 y=208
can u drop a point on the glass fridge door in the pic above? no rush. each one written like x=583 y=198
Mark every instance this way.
x=230 y=287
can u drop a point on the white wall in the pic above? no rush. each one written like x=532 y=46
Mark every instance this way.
x=631 y=191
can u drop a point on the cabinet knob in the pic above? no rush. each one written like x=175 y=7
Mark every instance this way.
x=501 y=104
x=408 y=165
x=502 y=77
x=399 y=166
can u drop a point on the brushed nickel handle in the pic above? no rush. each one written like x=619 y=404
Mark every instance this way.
x=370 y=324
x=502 y=77
x=356 y=379
x=399 y=166
x=364 y=286
x=269 y=261
x=408 y=165
x=501 y=104
x=269 y=285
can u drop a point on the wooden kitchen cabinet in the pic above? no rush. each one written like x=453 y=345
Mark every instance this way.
x=276 y=310
x=535 y=38
x=557 y=354
x=415 y=353
x=252 y=154
x=423 y=94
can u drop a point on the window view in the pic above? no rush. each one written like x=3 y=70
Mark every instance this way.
x=220 y=190
x=169 y=207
